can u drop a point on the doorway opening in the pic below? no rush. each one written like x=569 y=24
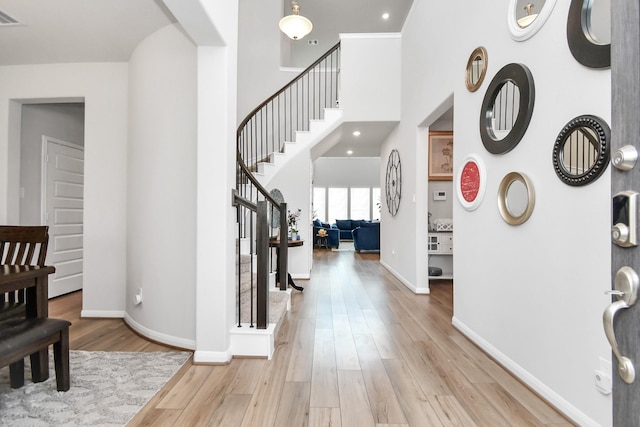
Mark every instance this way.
x=51 y=184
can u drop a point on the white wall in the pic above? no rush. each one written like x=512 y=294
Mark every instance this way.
x=260 y=71
x=60 y=121
x=161 y=187
x=370 y=77
x=531 y=295
x=295 y=185
x=104 y=89
x=346 y=172
x=214 y=29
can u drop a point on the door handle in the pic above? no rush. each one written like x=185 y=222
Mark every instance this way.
x=626 y=284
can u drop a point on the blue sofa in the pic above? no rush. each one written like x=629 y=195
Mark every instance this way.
x=346 y=226
x=333 y=234
x=367 y=237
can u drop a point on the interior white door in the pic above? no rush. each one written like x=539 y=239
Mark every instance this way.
x=63 y=199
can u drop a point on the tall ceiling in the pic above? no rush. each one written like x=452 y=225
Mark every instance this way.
x=68 y=31
x=64 y=31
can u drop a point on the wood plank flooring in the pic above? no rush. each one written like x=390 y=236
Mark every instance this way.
x=356 y=349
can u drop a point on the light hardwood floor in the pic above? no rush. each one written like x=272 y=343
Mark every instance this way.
x=357 y=349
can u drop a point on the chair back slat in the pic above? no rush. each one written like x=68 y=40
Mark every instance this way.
x=20 y=245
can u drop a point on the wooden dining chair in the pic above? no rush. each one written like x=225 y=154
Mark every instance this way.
x=20 y=245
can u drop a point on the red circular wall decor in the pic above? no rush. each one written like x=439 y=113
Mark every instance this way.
x=471 y=182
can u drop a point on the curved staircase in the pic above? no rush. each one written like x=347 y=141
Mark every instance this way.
x=293 y=119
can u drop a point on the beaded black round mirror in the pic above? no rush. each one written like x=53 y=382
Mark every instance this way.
x=589 y=32
x=581 y=151
x=507 y=108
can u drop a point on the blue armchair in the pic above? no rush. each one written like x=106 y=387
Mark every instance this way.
x=367 y=237
x=333 y=234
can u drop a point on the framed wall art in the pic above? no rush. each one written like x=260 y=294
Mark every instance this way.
x=471 y=182
x=441 y=156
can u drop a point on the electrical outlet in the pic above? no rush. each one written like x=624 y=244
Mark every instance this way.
x=137 y=299
x=603 y=382
x=602 y=377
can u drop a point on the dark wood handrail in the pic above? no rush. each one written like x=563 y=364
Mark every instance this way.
x=254 y=181
x=285 y=87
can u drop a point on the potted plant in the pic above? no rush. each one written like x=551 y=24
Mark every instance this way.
x=292 y=219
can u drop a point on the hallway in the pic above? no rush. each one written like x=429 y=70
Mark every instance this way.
x=357 y=349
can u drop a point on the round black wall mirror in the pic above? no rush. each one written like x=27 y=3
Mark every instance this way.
x=507 y=108
x=589 y=32
x=581 y=151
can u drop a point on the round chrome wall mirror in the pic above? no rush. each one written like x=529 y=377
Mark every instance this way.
x=589 y=32
x=507 y=108
x=516 y=198
x=526 y=17
x=581 y=151
x=476 y=68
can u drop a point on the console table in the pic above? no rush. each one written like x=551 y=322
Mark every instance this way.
x=275 y=243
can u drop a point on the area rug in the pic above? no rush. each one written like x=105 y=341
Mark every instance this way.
x=107 y=389
x=344 y=247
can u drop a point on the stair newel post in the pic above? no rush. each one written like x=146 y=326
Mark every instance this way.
x=283 y=254
x=262 y=248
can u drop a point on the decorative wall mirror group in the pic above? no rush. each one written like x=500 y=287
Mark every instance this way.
x=581 y=150
x=526 y=17
x=589 y=32
x=507 y=108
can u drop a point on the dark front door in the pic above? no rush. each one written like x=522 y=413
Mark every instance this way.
x=625 y=126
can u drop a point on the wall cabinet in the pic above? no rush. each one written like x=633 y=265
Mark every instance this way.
x=440 y=251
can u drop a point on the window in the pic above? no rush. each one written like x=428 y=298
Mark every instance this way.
x=337 y=203
x=320 y=203
x=334 y=203
x=360 y=203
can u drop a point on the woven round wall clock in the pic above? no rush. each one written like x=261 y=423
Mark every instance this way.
x=393 y=183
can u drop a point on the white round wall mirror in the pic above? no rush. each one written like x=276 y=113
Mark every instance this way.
x=526 y=17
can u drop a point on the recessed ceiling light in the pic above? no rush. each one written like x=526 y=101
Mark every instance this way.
x=349 y=152
x=385 y=16
x=356 y=133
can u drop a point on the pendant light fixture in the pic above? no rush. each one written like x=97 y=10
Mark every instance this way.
x=295 y=25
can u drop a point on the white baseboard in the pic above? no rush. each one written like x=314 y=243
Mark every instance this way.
x=102 y=313
x=411 y=286
x=253 y=342
x=213 y=357
x=158 y=336
x=538 y=386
